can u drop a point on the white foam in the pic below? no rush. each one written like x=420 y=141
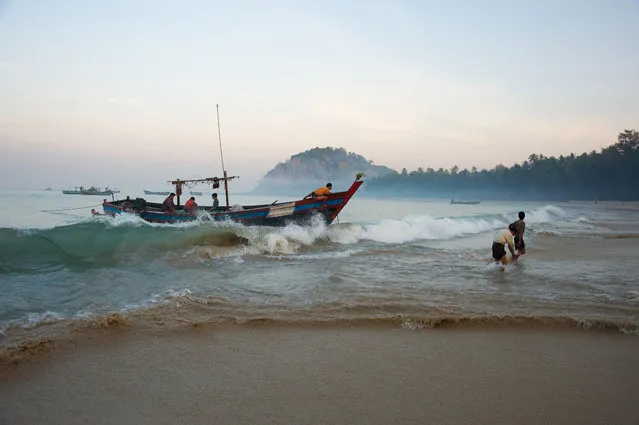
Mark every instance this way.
x=163 y=298
x=289 y=239
x=35 y=319
x=413 y=228
x=318 y=256
x=545 y=214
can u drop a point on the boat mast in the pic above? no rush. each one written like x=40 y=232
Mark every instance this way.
x=219 y=138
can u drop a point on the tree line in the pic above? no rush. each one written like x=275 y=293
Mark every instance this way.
x=611 y=174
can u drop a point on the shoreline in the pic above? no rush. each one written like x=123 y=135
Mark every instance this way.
x=363 y=374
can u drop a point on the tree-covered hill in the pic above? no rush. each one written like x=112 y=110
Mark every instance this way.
x=303 y=172
x=610 y=174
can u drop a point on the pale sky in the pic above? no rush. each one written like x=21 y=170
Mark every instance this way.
x=122 y=92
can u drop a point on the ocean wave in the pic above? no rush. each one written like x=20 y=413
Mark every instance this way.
x=104 y=239
x=426 y=227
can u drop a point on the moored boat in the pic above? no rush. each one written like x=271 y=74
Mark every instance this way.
x=151 y=192
x=90 y=191
x=463 y=202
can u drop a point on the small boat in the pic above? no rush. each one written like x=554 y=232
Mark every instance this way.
x=90 y=191
x=275 y=214
x=196 y=193
x=150 y=192
x=463 y=202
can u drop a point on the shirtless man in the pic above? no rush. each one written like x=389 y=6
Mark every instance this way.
x=520 y=227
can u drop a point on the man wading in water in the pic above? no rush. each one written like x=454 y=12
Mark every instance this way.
x=503 y=238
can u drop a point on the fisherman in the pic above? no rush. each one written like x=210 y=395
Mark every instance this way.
x=320 y=193
x=94 y=212
x=520 y=227
x=190 y=207
x=503 y=238
x=169 y=205
x=216 y=202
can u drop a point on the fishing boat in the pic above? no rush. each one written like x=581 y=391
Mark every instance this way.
x=463 y=202
x=301 y=211
x=196 y=193
x=90 y=191
x=275 y=214
x=151 y=192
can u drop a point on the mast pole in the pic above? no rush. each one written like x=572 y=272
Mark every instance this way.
x=219 y=138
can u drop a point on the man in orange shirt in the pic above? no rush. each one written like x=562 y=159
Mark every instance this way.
x=321 y=192
x=190 y=207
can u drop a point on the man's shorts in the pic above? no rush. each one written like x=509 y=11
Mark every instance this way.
x=519 y=243
x=499 y=250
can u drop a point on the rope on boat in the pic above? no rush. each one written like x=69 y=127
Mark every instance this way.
x=72 y=209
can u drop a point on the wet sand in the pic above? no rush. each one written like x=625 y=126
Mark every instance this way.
x=320 y=375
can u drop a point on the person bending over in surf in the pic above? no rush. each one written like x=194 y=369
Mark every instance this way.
x=503 y=238
x=520 y=227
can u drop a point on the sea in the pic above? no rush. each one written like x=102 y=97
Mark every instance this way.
x=411 y=263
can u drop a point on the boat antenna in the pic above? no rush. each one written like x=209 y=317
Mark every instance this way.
x=219 y=135
x=219 y=138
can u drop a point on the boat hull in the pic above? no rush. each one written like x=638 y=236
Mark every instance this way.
x=282 y=214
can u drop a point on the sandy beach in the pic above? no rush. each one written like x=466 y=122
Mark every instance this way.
x=319 y=375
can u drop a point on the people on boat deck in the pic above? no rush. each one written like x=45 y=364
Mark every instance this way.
x=190 y=207
x=520 y=227
x=503 y=238
x=321 y=192
x=216 y=202
x=168 y=205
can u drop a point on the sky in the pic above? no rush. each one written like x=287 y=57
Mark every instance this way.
x=124 y=92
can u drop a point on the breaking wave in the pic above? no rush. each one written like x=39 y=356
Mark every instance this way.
x=105 y=241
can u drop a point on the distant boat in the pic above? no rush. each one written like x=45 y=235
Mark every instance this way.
x=463 y=202
x=90 y=191
x=48 y=188
x=196 y=193
x=151 y=192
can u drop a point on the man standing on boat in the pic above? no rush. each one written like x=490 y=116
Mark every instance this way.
x=169 y=205
x=216 y=202
x=321 y=192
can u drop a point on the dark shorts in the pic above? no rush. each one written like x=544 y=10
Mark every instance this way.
x=519 y=243
x=499 y=250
